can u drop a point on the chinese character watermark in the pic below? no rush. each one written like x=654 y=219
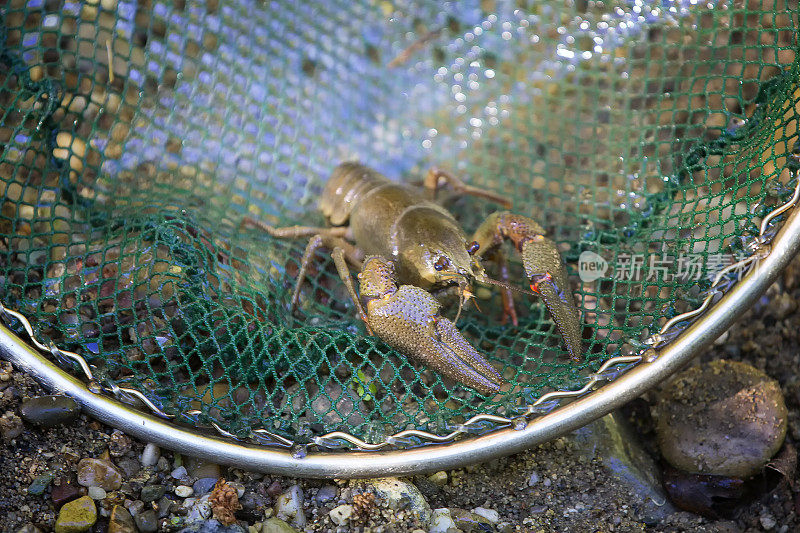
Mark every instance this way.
x=663 y=267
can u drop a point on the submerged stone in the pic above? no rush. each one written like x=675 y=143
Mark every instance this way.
x=611 y=440
x=49 y=411
x=723 y=418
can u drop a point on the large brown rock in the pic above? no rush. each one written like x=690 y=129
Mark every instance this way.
x=724 y=418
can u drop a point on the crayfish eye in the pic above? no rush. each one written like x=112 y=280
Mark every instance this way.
x=441 y=263
x=472 y=247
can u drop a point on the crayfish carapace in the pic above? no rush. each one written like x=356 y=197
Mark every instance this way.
x=407 y=246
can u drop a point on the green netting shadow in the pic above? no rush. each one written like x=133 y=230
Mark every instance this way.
x=657 y=138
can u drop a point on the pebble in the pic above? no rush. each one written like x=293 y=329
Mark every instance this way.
x=97 y=493
x=150 y=455
x=201 y=469
x=135 y=507
x=200 y=510
x=397 y=494
x=723 y=418
x=97 y=473
x=129 y=466
x=180 y=474
x=325 y=494
x=341 y=514
x=40 y=484
x=767 y=522
x=29 y=528
x=165 y=505
x=290 y=505
x=63 y=493
x=76 y=516
x=182 y=491
x=213 y=526
x=49 y=411
x=439 y=478
x=467 y=520
x=204 y=485
x=11 y=426
x=121 y=521
x=120 y=444
x=275 y=488
x=151 y=493
x=441 y=521
x=276 y=525
x=489 y=514
x=146 y=521
x=254 y=502
x=162 y=465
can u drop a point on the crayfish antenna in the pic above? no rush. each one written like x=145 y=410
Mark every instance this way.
x=460 y=305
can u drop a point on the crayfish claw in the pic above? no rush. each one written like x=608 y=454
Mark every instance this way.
x=465 y=363
x=408 y=320
x=548 y=276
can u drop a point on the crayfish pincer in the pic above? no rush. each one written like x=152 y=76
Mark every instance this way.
x=409 y=249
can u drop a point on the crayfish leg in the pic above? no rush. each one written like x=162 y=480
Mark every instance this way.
x=342 y=252
x=436 y=176
x=509 y=311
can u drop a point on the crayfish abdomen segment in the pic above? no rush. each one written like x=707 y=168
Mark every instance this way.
x=345 y=189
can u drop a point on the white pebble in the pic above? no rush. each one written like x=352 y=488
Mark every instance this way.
x=547 y=482
x=341 y=514
x=199 y=511
x=97 y=493
x=441 y=521
x=179 y=473
x=182 y=491
x=489 y=514
x=290 y=505
x=150 y=455
x=533 y=480
x=767 y=522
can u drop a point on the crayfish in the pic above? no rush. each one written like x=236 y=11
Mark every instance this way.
x=409 y=248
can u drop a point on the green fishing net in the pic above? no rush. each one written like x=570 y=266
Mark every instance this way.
x=138 y=135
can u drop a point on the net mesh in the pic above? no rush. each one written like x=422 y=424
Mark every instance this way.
x=137 y=135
